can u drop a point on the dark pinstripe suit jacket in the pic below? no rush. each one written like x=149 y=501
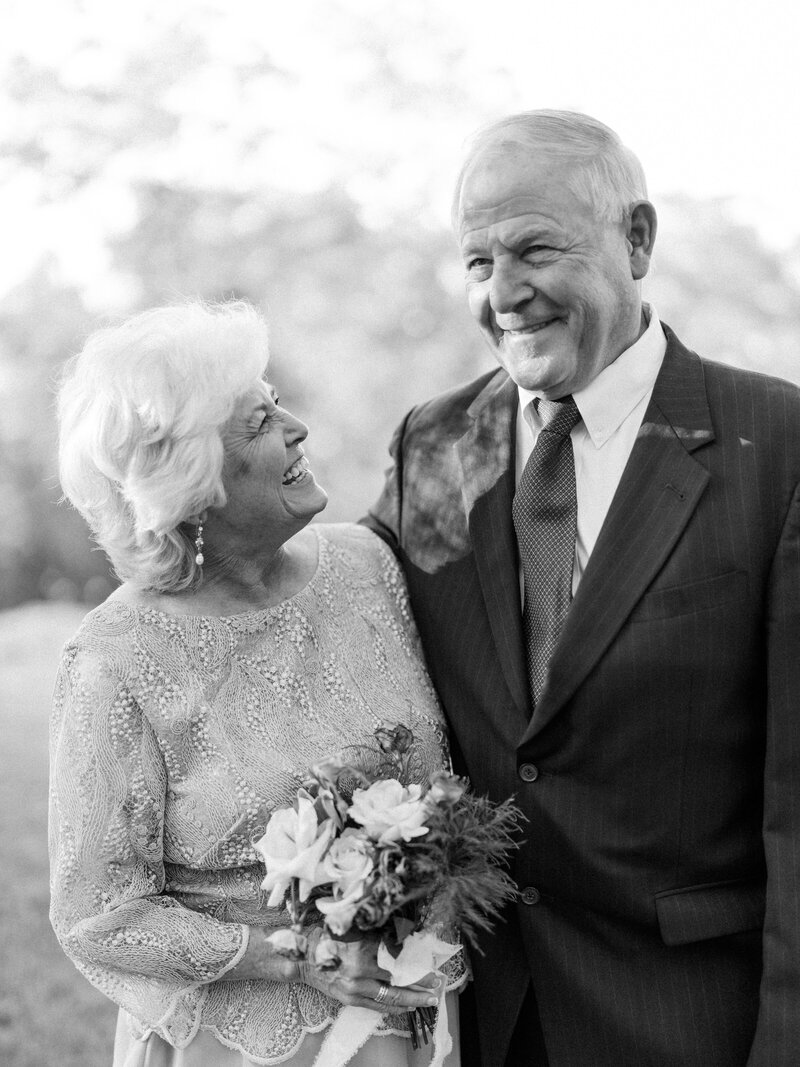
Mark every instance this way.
x=664 y=832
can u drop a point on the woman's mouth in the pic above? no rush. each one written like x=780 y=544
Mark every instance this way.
x=298 y=471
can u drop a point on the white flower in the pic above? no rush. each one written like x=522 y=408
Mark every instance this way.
x=327 y=771
x=422 y=953
x=340 y=909
x=293 y=847
x=389 y=811
x=445 y=788
x=289 y=943
x=327 y=955
x=349 y=860
x=330 y=804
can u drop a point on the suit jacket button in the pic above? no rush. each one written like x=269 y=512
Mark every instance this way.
x=530 y=895
x=529 y=772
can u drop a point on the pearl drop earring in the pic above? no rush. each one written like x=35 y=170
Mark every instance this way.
x=198 y=544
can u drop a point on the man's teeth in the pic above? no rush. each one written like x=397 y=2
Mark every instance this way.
x=298 y=470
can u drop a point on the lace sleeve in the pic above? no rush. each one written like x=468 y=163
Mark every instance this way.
x=140 y=947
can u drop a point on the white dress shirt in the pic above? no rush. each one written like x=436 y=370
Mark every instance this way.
x=612 y=407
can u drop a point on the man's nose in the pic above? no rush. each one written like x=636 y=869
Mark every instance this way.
x=511 y=286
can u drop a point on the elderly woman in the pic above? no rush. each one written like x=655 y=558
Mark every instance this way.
x=242 y=646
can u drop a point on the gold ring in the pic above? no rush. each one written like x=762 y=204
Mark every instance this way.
x=382 y=994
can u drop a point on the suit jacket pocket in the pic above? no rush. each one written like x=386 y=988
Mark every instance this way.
x=691 y=597
x=699 y=912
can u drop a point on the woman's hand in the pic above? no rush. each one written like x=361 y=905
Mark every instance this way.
x=359 y=981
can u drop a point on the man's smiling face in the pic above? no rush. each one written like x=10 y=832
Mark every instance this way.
x=550 y=285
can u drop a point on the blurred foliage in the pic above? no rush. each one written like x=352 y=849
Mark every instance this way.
x=366 y=307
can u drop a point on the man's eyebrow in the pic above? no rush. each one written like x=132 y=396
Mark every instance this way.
x=539 y=229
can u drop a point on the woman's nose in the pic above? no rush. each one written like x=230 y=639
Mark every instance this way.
x=296 y=430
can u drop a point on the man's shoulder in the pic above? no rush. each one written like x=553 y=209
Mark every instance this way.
x=748 y=404
x=727 y=382
x=455 y=403
x=744 y=381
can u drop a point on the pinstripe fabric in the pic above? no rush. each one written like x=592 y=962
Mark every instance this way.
x=664 y=824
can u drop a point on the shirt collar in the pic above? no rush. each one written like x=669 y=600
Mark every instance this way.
x=609 y=398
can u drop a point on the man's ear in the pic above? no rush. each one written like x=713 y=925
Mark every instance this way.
x=641 y=237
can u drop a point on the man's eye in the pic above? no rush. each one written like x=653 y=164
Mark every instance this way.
x=532 y=250
x=477 y=263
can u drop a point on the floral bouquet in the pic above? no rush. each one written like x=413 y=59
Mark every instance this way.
x=366 y=849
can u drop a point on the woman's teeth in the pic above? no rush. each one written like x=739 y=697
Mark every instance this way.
x=296 y=472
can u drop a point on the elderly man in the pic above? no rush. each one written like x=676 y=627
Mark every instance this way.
x=602 y=545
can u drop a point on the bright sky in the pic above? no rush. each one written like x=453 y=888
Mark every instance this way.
x=707 y=92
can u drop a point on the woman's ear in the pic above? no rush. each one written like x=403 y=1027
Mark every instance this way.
x=197 y=519
x=641 y=237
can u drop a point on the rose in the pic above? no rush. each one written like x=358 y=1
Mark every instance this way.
x=348 y=861
x=397 y=739
x=445 y=788
x=293 y=847
x=327 y=771
x=348 y=864
x=389 y=811
x=340 y=909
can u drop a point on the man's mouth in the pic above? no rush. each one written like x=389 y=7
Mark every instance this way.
x=533 y=328
x=298 y=471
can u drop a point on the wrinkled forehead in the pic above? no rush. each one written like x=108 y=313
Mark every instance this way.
x=499 y=186
x=476 y=218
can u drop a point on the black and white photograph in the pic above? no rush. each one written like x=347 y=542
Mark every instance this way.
x=400 y=534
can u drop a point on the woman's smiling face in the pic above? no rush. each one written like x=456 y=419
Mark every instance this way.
x=268 y=482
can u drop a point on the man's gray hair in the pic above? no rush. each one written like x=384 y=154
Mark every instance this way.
x=604 y=173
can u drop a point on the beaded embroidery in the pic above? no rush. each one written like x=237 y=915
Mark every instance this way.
x=172 y=738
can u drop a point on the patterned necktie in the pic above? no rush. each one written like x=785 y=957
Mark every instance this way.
x=545 y=513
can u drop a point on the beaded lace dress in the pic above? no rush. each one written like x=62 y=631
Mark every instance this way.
x=172 y=739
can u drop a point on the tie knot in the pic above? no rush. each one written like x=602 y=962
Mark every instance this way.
x=558 y=416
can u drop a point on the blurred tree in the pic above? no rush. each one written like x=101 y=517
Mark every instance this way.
x=364 y=321
x=43 y=546
x=724 y=291
x=172 y=149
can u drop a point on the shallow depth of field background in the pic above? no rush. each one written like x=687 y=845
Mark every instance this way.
x=301 y=156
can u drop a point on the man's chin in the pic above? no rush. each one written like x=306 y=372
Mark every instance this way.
x=537 y=371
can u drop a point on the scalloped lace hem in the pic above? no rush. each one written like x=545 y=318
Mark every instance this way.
x=453 y=988
x=248 y=1055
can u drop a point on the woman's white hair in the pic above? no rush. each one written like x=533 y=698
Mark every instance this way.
x=604 y=173
x=141 y=409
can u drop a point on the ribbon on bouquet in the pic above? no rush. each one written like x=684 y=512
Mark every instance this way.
x=421 y=953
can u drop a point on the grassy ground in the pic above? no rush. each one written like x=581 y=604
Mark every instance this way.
x=49 y=1014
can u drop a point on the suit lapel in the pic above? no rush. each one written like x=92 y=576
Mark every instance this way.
x=486 y=455
x=659 y=490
